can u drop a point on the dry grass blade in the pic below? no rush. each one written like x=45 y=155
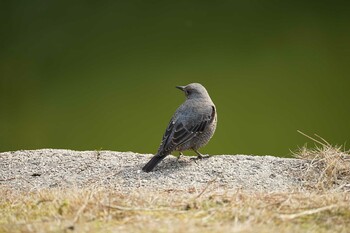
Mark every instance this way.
x=206 y=187
x=123 y=208
x=307 y=212
x=82 y=208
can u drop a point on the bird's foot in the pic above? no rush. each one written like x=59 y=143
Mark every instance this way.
x=200 y=156
x=205 y=157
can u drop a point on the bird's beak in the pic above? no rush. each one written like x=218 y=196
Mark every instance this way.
x=182 y=88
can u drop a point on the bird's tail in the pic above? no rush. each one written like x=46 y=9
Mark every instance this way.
x=153 y=162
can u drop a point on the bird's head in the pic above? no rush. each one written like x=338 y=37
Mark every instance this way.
x=194 y=90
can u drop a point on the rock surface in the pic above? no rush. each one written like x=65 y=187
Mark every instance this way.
x=48 y=168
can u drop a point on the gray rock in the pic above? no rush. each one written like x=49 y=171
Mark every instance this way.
x=51 y=168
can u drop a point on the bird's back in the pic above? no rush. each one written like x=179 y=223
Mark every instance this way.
x=191 y=127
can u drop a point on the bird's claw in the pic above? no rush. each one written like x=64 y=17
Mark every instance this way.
x=201 y=157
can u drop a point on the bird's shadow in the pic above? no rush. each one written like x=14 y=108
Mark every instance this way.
x=166 y=167
x=172 y=164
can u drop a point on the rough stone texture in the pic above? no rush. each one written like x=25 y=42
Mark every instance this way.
x=48 y=168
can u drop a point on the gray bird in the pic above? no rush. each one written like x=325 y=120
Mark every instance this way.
x=190 y=128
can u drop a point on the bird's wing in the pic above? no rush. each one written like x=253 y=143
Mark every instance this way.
x=178 y=132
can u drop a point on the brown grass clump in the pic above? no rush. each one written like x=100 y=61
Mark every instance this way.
x=328 y=167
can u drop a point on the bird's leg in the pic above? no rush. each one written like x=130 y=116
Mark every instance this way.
x=178 y=157
x=199 y=155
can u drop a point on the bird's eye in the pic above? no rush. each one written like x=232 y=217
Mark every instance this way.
x=187 y=92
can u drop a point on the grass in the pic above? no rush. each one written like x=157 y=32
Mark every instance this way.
x=328 y=166
x=101 y=210
x=320 y=205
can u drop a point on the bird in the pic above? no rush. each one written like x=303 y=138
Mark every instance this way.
x=191 y=127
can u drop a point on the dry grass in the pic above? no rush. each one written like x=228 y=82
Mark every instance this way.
x=100 y=210
x=323 y=207
x=328 y=167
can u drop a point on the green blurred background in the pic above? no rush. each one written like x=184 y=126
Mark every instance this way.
x=89 y=75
